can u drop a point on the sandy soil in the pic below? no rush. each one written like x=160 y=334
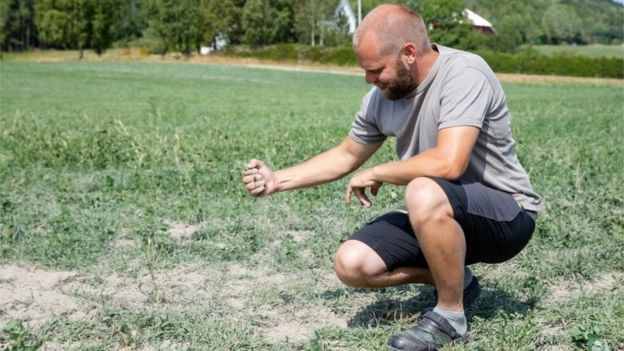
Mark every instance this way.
x=566 y=289
x=35 y=296
x=179 y=230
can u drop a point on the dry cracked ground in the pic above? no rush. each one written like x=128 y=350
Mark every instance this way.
x=34 y=295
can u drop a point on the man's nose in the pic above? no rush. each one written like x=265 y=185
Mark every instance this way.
x=371 y=78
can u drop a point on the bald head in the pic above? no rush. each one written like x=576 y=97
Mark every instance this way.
x=392 y=26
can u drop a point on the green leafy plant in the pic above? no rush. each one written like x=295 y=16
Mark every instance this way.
x=590 y=337
x=20 y=339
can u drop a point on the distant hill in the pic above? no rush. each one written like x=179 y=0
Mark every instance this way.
x=551 y=22
x=542 y=21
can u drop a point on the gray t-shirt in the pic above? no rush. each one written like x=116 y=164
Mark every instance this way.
x=460 y=90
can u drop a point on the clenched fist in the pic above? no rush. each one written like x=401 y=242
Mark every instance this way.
x=258 y=179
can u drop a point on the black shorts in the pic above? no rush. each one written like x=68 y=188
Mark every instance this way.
x=496 y=228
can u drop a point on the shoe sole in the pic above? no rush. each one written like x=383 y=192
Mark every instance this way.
x=457 y=341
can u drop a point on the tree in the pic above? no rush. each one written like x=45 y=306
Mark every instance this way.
x=511 y=33
x=601 y=21
x=561 y=23
x=103 y=24
x=237 y=32
x=268 y=22
x=62 y=23
x=131 y=22
x=447 y=23
x=17 y=27
x=219 y=20
x=337 y=32
x=174 y=24
x=368 y=5
x=77 y=23
x=306 y=21
x=4 y=20
x=310 y=17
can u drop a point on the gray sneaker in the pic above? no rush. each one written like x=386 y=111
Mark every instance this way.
x=431 y=333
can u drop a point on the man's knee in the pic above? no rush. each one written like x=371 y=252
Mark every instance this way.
x=354 y=263
x=426 y=201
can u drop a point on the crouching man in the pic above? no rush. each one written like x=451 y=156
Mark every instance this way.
x=467 y=198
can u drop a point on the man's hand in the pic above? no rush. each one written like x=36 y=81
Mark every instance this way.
x=258 y=179
x=358 y=184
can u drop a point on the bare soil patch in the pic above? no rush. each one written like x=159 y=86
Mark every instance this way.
x=36 y=296
x=173 y=288
x=565 y=289
x=33 y=296
x=543 y=79
x=292 y=321
x=352 y=70
x=299 y=235
x=179 y=230
x=298 y=324
x=557 y=348
x=126 y=243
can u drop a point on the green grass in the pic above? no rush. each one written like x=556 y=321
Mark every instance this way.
x=593 y=51
x=95 y=155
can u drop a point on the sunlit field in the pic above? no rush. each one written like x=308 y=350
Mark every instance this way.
x=596 y=50
x=124 y=224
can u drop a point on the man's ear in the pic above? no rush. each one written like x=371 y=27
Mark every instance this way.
x=410 y=53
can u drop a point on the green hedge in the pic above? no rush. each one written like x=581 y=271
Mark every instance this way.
x=339 y=55
x=527 y=61
x=564 y=64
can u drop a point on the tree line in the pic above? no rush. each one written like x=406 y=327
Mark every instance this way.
x=166 y=25
x=186 y=25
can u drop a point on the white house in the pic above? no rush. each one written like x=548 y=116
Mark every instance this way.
x=344 y=9
x=220 y=43
x=479 y=23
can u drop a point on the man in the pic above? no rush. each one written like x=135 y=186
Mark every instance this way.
x=467 y=197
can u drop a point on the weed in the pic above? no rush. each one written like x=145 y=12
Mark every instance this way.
x=19 y=338
x=589 y=337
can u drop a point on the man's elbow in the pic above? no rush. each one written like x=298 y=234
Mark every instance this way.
x=454 y=171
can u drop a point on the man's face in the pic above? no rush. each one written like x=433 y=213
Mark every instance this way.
x=400 y=85
x=386 y=72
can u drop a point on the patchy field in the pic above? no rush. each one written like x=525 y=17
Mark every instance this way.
x=124 y=225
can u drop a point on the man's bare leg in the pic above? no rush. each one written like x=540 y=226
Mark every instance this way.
x=441 y=239
x=358 y=265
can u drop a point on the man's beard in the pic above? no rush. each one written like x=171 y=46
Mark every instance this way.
x=402 y=85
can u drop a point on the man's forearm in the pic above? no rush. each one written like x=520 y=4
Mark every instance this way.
x=323 y=168
x=448 y=160
x=427 y=163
